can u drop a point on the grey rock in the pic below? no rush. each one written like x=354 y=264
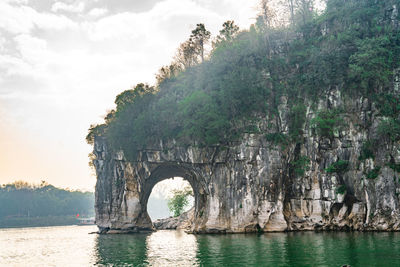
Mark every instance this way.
x=249 y=186
x=181 y=222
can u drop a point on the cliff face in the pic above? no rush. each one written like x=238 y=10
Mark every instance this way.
x=250 y=185
x=335 y=167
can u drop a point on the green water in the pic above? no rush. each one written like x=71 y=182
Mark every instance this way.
x=74 y=246
x=277 y=249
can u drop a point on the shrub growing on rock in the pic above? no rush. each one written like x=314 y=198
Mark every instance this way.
x=327 y=122
x=339 y=167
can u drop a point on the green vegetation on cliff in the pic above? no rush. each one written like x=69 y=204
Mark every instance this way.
x=23 y=204
x=207 y=100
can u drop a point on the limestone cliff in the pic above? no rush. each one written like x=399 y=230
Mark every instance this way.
x=324 y=156
x=249 y=186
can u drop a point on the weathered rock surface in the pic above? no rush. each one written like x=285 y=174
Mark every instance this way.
x=249 y=185
x=183 y=221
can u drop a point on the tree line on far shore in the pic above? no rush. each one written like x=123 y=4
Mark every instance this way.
x=24 y=204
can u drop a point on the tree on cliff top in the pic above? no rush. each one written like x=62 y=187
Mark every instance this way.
x=227 y=34
x=200 y=36
x=353 y=45
x=187 y=54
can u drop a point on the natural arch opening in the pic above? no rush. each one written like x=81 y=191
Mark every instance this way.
x=187 y=177
x=162 y=194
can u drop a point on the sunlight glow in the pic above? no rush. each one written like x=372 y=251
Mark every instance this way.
x=63 y=63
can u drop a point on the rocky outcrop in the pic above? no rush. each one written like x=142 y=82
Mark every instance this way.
x=184 y=221
x=250 y=185
x=254 y=184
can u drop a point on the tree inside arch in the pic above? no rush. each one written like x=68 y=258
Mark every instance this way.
x=179 y=200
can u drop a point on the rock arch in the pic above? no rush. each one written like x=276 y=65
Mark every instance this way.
x=230 y=187
x=167 y=171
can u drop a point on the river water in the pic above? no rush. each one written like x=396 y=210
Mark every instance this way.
x=74 y=246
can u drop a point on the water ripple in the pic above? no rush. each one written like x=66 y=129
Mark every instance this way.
x=73 y=246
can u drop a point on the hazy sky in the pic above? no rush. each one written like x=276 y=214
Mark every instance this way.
x=63 y=62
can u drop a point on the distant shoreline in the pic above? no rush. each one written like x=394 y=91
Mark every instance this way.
x=22 y=222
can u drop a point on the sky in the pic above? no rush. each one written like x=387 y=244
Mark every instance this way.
x=62 y=62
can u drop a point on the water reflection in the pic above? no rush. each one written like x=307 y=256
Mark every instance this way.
x=121 y=250
x=174 y=248
x=161 y=248
x=171 y=248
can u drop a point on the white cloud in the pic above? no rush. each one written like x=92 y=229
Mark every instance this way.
x=14 y=20
x=10 y=65
x=64 y=73
x=18 y=2
x=23 y=19
x=48 y=21
x=116 y=27
x=2 y=43
x=76 y=7
x=152 y=23
x=31 y=48
x=97 y=12
x=30 y=62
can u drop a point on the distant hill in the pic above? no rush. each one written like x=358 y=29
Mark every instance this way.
x=23 y=204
